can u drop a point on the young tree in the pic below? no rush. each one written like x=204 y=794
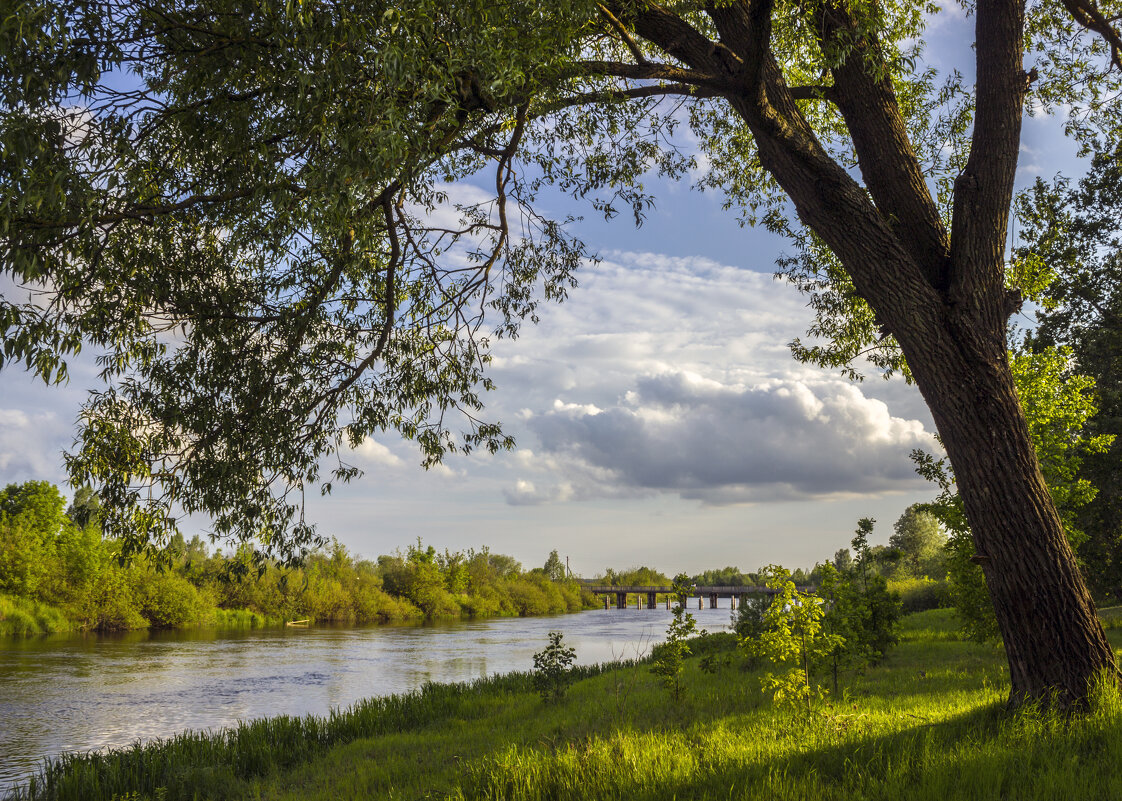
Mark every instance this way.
x=553 y=669
x=862 y=554
x=313 y=306
x=792 y=636
x=669 y=656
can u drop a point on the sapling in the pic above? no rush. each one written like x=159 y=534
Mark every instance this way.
x=792 y=637
x=553 y=669
x=669 y=656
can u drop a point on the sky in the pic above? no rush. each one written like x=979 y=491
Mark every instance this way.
x=659 y=415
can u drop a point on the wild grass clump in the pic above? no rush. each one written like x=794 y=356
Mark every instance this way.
x=20 y=617
x=241 y=619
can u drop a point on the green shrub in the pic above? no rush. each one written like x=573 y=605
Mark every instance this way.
x=326 y=600
x=168 y=600
x=374 y=605
x=528 y=598
x=111 y=603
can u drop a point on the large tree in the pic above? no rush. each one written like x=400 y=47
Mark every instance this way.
x=231 y=201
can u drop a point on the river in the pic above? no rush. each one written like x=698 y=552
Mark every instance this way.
x=79 y=693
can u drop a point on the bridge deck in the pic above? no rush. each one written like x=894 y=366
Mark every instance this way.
x=666 y=590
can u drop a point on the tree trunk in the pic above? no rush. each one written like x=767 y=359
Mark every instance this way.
x=1054 y=641
x=942 y=296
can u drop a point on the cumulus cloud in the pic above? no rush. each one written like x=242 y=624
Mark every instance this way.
x=780 y=440
x=672 y=376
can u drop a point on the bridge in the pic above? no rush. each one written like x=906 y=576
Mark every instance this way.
x=714 y=594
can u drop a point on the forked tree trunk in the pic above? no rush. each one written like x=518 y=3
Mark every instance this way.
x=943 y=297
x=1054 y=641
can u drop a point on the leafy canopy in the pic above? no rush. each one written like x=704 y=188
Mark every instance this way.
x=232 y=204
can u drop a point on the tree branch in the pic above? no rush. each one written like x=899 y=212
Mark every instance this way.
x=624 y=34
x=888 y=163
x=651 y=71
x=1087 y=14
x=985 y=187
x=813 y=92
x=611 y=95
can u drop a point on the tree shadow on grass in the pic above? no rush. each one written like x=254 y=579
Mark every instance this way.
x=985 y=753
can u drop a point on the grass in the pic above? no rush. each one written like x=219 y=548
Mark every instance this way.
x=242 y=619
x=929 y=723
x=20 y=617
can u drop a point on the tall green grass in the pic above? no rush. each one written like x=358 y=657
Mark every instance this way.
x=241 y=619
x=20 y=617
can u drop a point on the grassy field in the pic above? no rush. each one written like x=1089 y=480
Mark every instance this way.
x=928 y=723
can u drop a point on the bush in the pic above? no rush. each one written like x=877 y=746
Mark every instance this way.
x=920 y=594
x=373 y=605
x=168 y=601
x=528 y=598
x=110 y=604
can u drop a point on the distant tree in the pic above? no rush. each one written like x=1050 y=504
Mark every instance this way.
x=453 y=567
x=635 y=576
x=843 y=561
x=725 y=577
x=554 y=567
x=919 y=538
x=84 y=507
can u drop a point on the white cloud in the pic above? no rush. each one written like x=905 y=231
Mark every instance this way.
x=375 y=453
x=667 y=375
x=31 y=445
x=780 y=440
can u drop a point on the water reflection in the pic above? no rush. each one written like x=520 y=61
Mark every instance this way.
x=86 y=692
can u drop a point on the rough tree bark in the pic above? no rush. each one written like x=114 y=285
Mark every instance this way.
x=940 y=293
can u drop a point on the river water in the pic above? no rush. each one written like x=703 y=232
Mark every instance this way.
x=79 y=693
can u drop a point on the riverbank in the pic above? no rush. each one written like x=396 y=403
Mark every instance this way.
x=928 y=723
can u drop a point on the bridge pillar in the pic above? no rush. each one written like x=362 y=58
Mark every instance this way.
x=668 y=602
x=621 y=600
x=712 y=600
x=734 y=599
x=607 y=602
x=652 y=603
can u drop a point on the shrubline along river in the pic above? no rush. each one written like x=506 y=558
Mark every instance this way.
x=79 y=693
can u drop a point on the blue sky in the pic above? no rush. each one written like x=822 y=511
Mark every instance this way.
x=659 y=415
